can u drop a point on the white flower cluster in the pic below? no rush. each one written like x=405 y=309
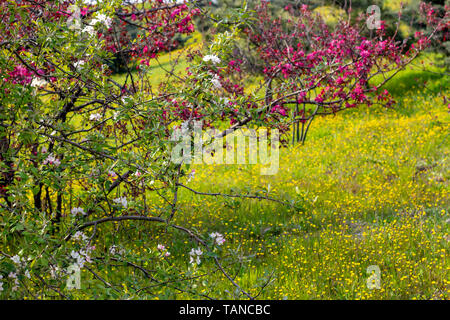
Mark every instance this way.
x=210 y=57
x=79 y=64
x=13 y=276
x=122 y=201
x=51 y=159
x=102 y=18
x=55 y=271
x=116 y=115
x=38 y=83
x=195 y=256
x=163 y=250
x=216 y=82
x=20 y=267
x=95 y=117
x=18 y=260
x=185 y=128
x=218 y=238
x=116 y=250
x=82 y=256
x=77 y=210
x=80 y=236
x=191 y=175
x=112 y=174
x=89 y=30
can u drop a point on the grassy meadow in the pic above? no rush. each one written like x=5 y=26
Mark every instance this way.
x=373 y=186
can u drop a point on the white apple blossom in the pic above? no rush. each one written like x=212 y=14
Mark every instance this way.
x=54 y=271
x=79 y=236
x=112 y=174
x=190 y=176
x=116 y=250
x=37 y=83
x=184 y=128
x=79 y=64
x=210 y=57
x=17 y=260
x=162 y=248
x=195 y=256
x=51 y=159
x=76 y=211
x=122 y=201
x=218 y=238
x=82 y=256
x=13 y=275
x=89 y=30
x=80 y=260
x=95 y=117
x=102 y=18
x=216 y=82
x=113 y=249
